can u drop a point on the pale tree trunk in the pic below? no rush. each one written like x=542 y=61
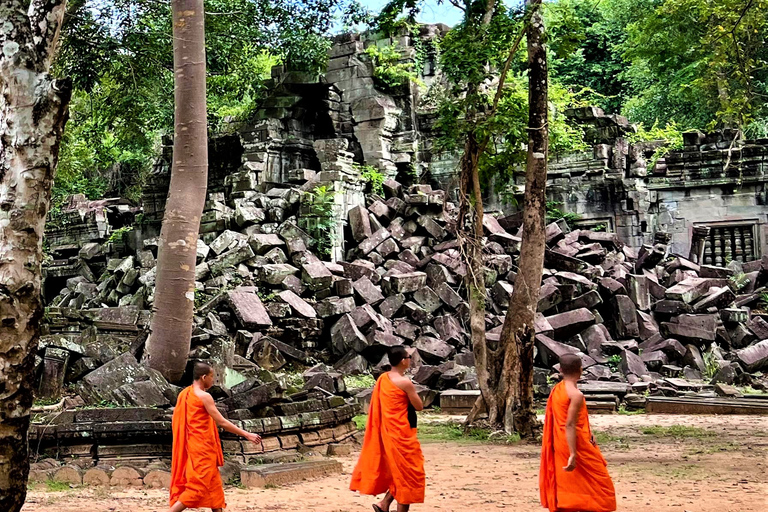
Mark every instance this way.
x=169 y=342
x=517 y=335
x=33 y=112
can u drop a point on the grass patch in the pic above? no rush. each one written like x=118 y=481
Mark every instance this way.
x=709 y=449
x=54 y=486
x=453 y=432
x=615 y=442
x=360 y=421
x=359 y=381
x=271 y=486
x=624 y=412
x=677 y=431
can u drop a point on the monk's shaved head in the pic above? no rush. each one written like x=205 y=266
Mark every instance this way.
x=200 y=370
x=570 y=364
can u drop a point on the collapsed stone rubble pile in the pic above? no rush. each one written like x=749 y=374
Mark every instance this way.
x=645 y=322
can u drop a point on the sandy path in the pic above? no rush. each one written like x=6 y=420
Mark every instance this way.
x=719 y=469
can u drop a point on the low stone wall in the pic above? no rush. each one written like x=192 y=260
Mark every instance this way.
x=131 y=447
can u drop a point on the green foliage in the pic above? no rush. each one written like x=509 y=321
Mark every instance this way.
x=711 y=363
x=671 y=134
x=118 y=235
x=739 y=281
x=389 y=74
x=763 y=301
x=360 y=421
x=320 y=222
x=120 y=57
x=372 y=176
x=235 y=95
x=359 y=381
x=613 y=362
x=699 y=62
x=554 y=213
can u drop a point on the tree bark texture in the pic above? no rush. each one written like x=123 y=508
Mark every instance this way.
x=33 y=112
x=169 y=342
x=516 y=391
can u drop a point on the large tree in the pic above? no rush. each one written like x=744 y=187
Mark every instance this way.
x=33 y=111
x=171 y=330
x=515 y=391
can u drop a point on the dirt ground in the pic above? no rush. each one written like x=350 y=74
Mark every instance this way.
x=658 y=463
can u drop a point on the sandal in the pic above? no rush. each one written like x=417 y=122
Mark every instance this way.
x=377 y=508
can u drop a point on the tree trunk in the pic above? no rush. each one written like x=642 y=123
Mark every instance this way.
x=169 y=342
x=33 y=112
x=517 y=335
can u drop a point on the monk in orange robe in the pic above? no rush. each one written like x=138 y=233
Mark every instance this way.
x=197 y=455
x=573 y=475
x=391 y=460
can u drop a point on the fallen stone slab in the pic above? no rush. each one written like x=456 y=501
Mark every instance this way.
x=455 y=401
x=368 y=292
x=248 y=309
x=299 y=305
x=754 y=358
x=570 y=323
x=259 y=477
x=689 y=289
x=682 y=405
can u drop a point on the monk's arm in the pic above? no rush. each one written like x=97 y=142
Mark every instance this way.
x=577 y=401
x=413 y=396
x=224 y=423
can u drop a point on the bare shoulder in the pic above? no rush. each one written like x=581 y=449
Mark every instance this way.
x=574 y=393
x=402 y=382
x=203 y=395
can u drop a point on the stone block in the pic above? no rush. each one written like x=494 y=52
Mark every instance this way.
x=345 y=336
x=689 y=289
x=368 y=292
x=316 y=276
x=359 y=223
x=501 y=293
x=433 y=350
x=754 y=358
x=632 y=364
x=248 y=309
x=625 y=317
x=255 y=477
x=373 y=241
x=299 y=305
x=570 y=323
x=127 y=476
x=262 y=243
x=390 y=306
x=427 y=299
x=334 y=306
x=158 y=479
x=432 y=227
x=407 y=283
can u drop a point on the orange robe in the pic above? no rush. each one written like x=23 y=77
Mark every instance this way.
x=197 y=455
x=588 y=488
x=391 y=458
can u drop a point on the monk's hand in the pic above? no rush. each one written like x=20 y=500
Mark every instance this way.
x=254 y=438
x=571 y=463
